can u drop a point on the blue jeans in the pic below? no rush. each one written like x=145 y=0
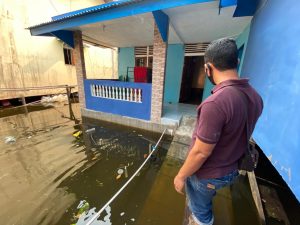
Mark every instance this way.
x=200 y=193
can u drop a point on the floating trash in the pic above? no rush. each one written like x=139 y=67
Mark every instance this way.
x=99 y=183
x=120 y=171
x=132 y=219
x=100 y=141
x=122 y=214
x=90 y=213
x=92 y=130
x=55 y=98
x=126 y=172
x=10 y=140
x=76 y=134
x=82 y=207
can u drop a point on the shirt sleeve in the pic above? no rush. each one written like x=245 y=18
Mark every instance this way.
x=210 y=124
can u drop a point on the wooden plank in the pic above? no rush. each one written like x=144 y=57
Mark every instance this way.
x=256 y=197
x=273 y=206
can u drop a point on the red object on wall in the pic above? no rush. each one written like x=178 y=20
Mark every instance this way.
x=140 y=74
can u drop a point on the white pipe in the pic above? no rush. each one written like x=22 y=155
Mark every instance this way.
x=125 y=185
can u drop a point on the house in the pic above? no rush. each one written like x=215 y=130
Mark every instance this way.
x=267 y=37
x=27 y=61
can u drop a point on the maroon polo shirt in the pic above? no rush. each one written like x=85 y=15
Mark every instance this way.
x=221 y=121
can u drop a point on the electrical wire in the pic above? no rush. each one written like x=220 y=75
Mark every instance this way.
x=125 y=185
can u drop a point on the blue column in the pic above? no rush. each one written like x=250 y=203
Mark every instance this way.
x=175 y=60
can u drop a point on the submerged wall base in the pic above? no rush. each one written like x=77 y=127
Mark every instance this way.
x=128 y=121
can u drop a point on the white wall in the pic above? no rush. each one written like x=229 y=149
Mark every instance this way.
x=27 y=61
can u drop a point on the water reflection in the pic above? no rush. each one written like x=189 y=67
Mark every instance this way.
x=86 y=216
x=47 y=171
x=34 y=165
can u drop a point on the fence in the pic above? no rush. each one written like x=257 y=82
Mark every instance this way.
x=122 y=98
x=117 y=93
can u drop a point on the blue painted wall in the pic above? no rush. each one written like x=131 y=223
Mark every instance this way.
x=175 y=60
x=208 y=86
x=119 y=107
x=125 y=59
x=272 y=61
x=241 y=40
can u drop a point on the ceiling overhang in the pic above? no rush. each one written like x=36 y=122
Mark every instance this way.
x=132 y=24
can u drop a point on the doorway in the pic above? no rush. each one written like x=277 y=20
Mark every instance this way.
x=193 y=78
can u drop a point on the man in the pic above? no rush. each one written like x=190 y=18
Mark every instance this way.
x=220 y=137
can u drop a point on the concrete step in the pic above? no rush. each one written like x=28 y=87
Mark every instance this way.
x=182 y=138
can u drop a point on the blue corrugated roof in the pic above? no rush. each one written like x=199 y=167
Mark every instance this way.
x=88 y=10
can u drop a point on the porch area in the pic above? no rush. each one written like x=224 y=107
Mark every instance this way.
x=164 y=28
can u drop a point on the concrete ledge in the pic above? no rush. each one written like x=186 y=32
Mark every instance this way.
x=128 y=121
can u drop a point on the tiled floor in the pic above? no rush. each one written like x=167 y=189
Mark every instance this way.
x=172 y=113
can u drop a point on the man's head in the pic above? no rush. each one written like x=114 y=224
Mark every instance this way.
x=220 y=55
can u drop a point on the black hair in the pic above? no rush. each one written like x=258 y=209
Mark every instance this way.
x=222 y=53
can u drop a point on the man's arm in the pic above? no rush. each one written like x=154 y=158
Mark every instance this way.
x=195 y=159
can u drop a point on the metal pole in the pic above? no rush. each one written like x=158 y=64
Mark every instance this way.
x=68 y=89
x=24 y=104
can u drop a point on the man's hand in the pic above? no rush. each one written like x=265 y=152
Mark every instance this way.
x=196 y=157
x=179 y=183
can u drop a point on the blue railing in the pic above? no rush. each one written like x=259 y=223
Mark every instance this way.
x=122 y=98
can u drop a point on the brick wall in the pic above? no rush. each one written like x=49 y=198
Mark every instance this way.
x=158 y=75
x=80 y=66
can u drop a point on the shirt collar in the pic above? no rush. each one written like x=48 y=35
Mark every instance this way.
x=226 y=83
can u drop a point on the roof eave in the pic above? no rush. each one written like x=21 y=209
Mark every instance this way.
x=137 y=7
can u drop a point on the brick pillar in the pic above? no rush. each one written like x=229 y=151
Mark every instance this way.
x=158 y=75
x=80 y=66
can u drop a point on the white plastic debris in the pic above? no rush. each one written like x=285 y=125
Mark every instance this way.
x=122 y=214
x=9 y=140
x=132 y=219
x=120 y=171
x=92 y=130
x=55 y=98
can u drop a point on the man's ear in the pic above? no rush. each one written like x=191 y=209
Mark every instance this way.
x=207 y=68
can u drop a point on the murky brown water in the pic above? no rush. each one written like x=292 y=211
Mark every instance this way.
x=51 y=165
x=47 y=171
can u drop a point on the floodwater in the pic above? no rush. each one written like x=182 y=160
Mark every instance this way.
x=57 y=171
x=54 y=172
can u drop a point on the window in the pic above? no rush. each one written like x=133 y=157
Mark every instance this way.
x=140 y=61
x=196 y=49
x=68 y=56
x=143 y=56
